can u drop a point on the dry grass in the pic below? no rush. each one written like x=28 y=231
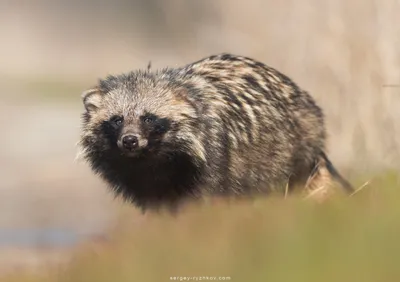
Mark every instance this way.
x=351 y=239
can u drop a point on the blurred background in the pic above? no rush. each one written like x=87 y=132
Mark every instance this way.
x=345 y=53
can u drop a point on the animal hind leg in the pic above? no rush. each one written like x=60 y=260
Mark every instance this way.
x=321 y=183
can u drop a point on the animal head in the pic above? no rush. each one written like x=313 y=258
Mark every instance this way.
x=139 y=114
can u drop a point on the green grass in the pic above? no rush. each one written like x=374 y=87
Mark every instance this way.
x=343 y=239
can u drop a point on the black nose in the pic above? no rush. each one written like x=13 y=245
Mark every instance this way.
x=130 y=142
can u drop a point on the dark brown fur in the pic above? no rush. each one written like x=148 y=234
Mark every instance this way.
x=224 y=125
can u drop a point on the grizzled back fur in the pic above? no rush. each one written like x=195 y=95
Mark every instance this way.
x=224 y=125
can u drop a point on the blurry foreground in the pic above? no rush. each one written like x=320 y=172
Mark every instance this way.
x=353 y=239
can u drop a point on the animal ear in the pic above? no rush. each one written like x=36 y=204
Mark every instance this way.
x=92 y=99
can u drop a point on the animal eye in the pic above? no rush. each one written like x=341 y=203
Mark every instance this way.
x=148 y=120
x=117 y=120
